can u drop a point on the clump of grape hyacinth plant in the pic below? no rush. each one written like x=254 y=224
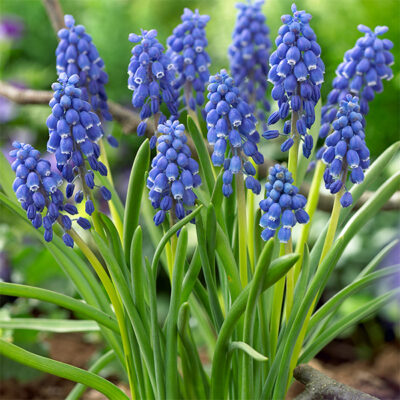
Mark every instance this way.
x=345 y=149
x=283 y=206
x=361 y=73
x=74 y=130
x=248 y=54
x=297 y=73
x=36 y=187
x=77 y=54
x=232 y=126
x=151 y=73
x=174 y=173
x=187 y=49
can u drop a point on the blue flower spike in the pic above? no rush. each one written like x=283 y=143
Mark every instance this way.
x=77 y=54
x=345 y=149
x=297 y=73
x=151 y=73
x=36 y=187
x=232 y=132
x=187 y=50
x=283 y=206
x=249 y=54
x=174 y=173
x=74 y=130
x=361 y=73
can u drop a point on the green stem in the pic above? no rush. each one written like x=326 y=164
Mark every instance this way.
x=276 y=313
x=113 y=210
x=311 y=206
x=241 y=214
x=294 y=150
x=251 y=225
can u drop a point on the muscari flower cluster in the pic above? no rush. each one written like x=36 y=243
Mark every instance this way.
x=36 y=187
x=249 y=53
x=297 y=73
x=74 y=130
x=283 y=207
x=151 y=73
x=361 y=73
x=76 y=54
x=186 y=47
x=231 y=125
x=174 y=173
x=345 y=149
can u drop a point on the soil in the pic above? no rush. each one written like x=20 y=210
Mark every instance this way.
x=379 y=377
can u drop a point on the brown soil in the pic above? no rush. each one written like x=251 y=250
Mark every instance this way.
x=379 y=377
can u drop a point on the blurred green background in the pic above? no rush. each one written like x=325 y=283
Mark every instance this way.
x=30 y=60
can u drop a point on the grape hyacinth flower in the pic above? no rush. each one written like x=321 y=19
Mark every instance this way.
x=297 y=73
x=231 y=125
x=345 y=149
x=74 y=130
x=77 y=54
x=174 y=173
x=249 y=54
x=283 y=207
x=37 y=189
x=151 y=73
x=186 y=48
x=361 y=73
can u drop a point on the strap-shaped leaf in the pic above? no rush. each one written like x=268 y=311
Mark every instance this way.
x=13 y=289
x=345 y=322
x=50 y=325
x=97 y=366
x=334 y=302
x=254 y=354
x=277 y=270
x=202 y=152
x=6 y=178
x=62 y=370
x=134 y=195
x=175 y=228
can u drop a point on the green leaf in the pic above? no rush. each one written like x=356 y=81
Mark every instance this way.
x=345 y=322
x=277 y=270
x=134 y=195
x=332 y=305
x=254 y=354
x=97 y=367
x=208 y=276
x=204 y=158
x=168 y=235
x=115 y=243
x=171 y=362
x=50 y=325
x=115 y=196
x=13 y=289
x=6 y=178
x=62 y=370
